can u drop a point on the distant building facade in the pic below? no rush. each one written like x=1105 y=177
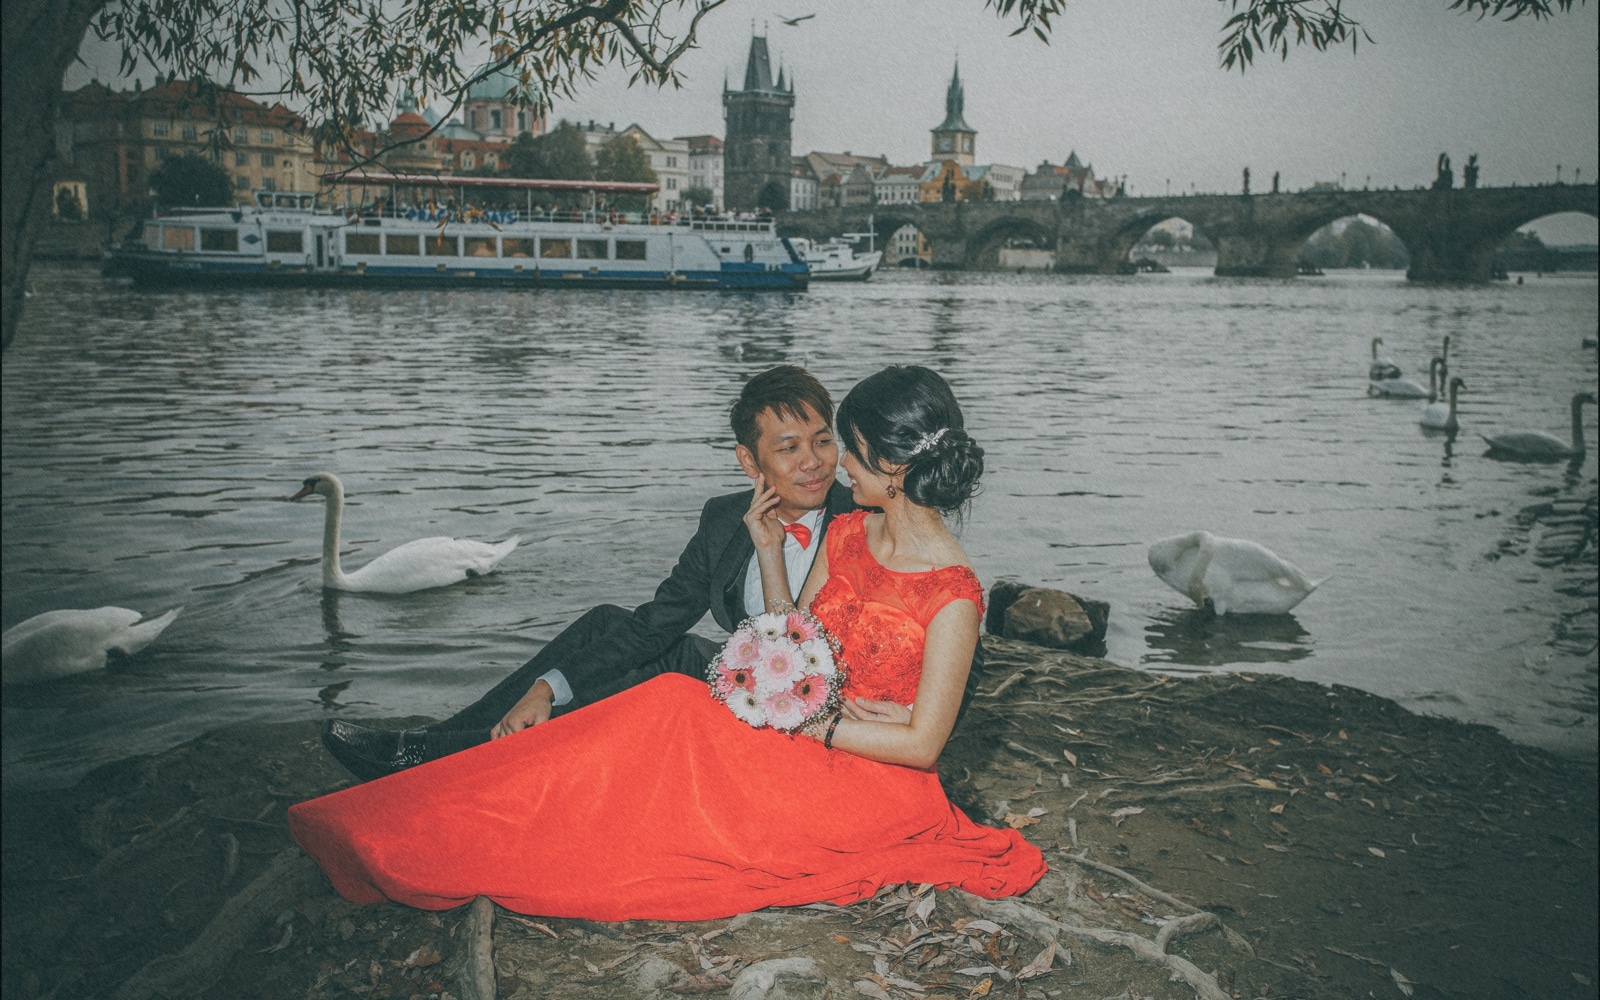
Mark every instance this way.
x=802 y=186
x=669 y=158
x=705 y=166
x=1070 y=179
x=898 y=186
x=111 y=141
x=757 y=135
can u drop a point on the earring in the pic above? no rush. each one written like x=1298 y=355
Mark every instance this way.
x=892 y=491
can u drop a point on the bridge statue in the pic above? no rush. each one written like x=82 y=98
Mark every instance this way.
x=1246 y=180
x=1446 y=178
x=1275 y=182
x=1469 y=173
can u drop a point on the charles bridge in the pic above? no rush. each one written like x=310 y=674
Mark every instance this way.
x=1451 y=233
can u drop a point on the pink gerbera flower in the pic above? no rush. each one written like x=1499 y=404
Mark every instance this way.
x=732 y=677
x=784 y=710
x=812 y=690
x=743 y=650
x=800 y=627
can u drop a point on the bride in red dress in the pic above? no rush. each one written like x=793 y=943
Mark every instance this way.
x=659 y=803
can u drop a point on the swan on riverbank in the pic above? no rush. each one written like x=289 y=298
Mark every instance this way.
x=1234 y=574
x=1440 y=416
x=74 y=641
x=418 y=565
x=1381 y=368
x=1537 y=446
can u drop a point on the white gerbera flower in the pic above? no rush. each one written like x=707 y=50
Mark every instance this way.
x=747 y=708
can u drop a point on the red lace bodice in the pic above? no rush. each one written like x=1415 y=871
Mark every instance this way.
x=879 y=615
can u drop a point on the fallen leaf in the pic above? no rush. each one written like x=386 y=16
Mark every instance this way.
x=543 y=929
x=1325 y=769
x=1278 y=809
x=1217 y=857
x=868 y=988
x=1018 y=822
x=1333 y=795
x=925 y=907
x=1036 y=812
x=1401 y=981
x=1343 y=735
x=841 y=939
x=423 y=956
x=1123 y=813
x=1376 y=852
x=1280 y=828
x=1265 y=783
x=985 y=926
x=594 y=970
x=1274 y=742
x=982 y=989
x=1276 y=847
x=1370 y=804
x=977 y=970
x=283 y=942
x=1100 y=897
x=1580 y=977
x=1372 y=778
x=1072 y=758
x=1041 y=963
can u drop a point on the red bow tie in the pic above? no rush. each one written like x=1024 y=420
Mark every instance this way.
x=801 y=533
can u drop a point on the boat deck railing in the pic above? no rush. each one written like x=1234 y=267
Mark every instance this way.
x=724 y=223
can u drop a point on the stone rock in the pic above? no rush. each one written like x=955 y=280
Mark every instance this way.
x=780 y=979
x=653 y=974
x=1057 y=620
x=1002 y=595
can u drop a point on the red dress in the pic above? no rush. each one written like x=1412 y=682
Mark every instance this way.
x=658 y=803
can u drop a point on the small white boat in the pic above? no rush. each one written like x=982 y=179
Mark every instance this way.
x=837 y=260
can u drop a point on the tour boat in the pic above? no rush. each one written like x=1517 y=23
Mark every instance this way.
x=286 y=239
x=837 y=260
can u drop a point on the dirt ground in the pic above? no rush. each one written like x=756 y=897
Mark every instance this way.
x=1317 y=842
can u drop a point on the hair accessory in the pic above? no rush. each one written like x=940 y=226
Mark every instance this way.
x=928 y=441
x=827 y=740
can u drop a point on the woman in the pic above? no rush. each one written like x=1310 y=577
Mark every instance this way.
x=659 y=803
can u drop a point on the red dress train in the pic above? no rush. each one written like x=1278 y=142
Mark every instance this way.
x=658 y=803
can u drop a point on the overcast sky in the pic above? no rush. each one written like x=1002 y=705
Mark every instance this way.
x=1136 y=90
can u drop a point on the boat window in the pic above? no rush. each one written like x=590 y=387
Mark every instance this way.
x=555 y=248
x=441 y=246
x=219 y=239
x=478 y=246
x=152 y=237
x=404 y=244
x=286 y=241
x=177 y=238
x=361 y=243
x=591 y=249
x=630 y=249
x=516 y=247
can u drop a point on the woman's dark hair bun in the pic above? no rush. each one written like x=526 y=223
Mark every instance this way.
x=906 y=415
x=945 y=474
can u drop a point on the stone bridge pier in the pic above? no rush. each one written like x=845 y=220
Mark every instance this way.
x=1451 y=233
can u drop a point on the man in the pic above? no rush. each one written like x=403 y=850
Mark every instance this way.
x=783 y=424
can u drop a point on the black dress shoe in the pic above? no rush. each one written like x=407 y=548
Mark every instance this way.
x=374 y=753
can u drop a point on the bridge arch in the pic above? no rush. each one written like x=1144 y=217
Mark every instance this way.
x=983 y=248
x=1179 y=232
x=1357 y=240
x=1525 y=249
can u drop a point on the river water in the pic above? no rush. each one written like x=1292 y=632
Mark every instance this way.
x=150 y=440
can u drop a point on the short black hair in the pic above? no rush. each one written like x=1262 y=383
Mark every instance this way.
x=906 y=415
x=788 y=391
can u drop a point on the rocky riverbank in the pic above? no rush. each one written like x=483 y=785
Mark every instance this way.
x=1224 y=836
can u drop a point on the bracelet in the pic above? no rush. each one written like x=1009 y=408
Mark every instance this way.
x=827 y=739
x=779 y=607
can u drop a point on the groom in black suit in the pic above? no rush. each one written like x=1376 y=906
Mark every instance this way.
x=783 y=421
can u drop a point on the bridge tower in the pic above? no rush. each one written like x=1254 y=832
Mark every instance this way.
x=756 y=157
x=954 y=138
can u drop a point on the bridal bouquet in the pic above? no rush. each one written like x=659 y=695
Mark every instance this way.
x=778 y=670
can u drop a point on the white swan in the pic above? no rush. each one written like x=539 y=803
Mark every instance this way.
x=1381 y=368
x=74 y=641
x=1233 y=574
x=1396 y=388
x=1442 y=416
x=1444 y=358
x=418 y=565
x=1537 y=446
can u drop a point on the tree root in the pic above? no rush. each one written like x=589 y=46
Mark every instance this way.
x=289 y=878
x=141 y=845
x=1233 y=937
x=1044 y=928
x=475 y=972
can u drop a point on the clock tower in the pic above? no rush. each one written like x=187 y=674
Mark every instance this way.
x=954 y=139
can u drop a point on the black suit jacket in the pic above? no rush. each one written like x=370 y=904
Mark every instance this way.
x=709 y=576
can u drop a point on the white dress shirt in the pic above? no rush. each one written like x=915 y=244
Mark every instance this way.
x=796 y=559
